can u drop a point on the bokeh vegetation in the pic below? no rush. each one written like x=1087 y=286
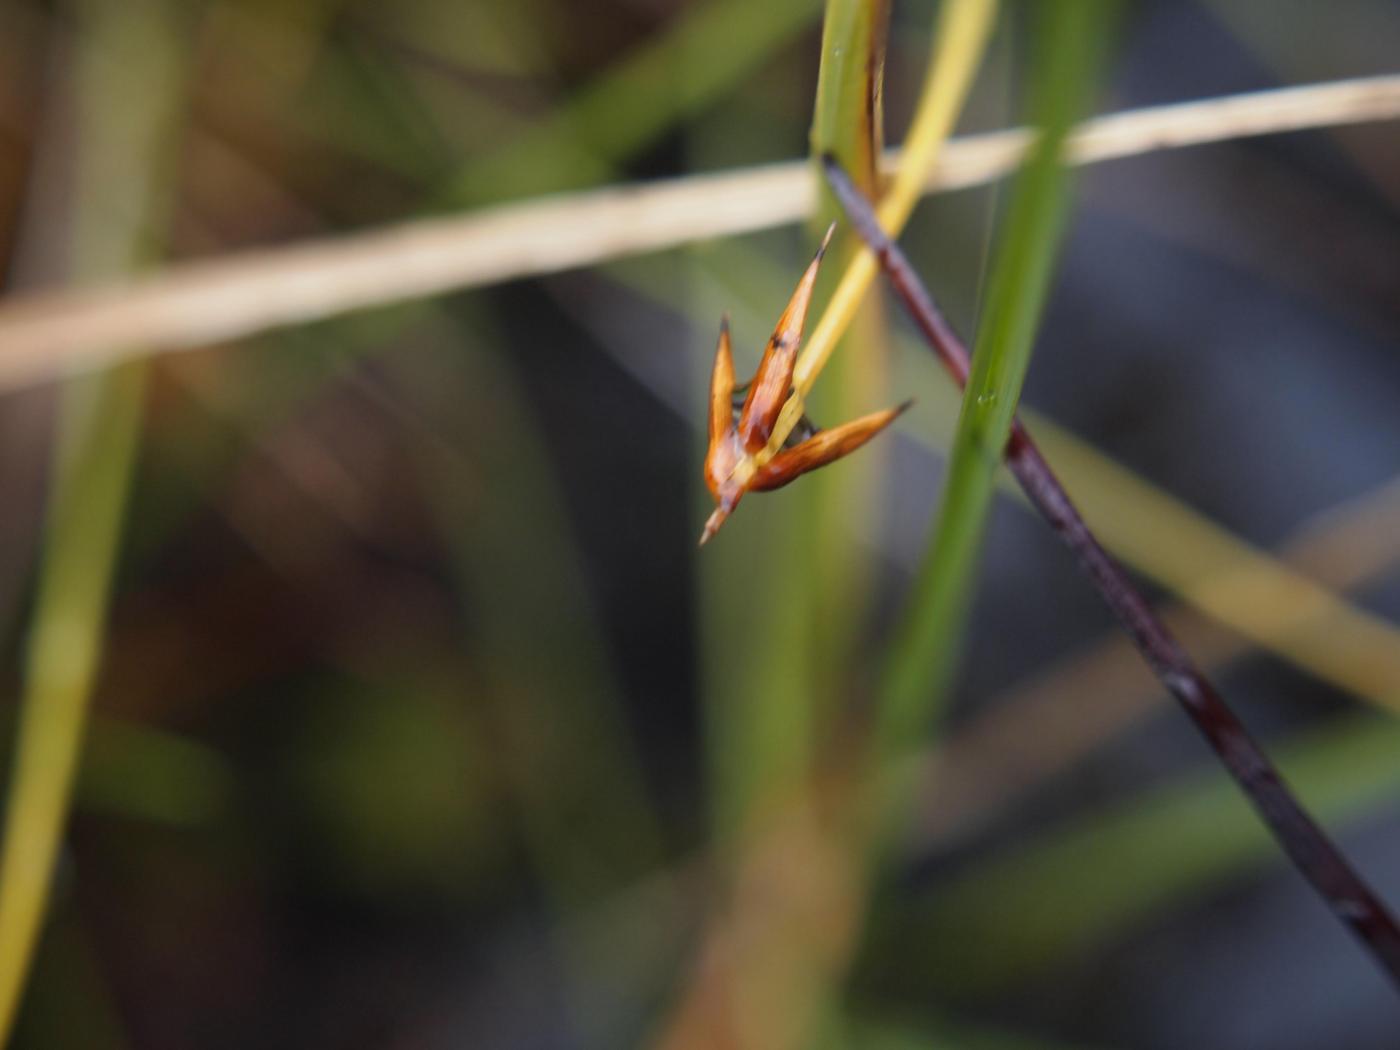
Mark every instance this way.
x=393 y=701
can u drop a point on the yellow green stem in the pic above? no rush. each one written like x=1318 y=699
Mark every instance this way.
x=99 y=427
x=959 y=43
x=122 y=117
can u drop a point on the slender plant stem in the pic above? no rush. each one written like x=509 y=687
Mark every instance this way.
x=918 y=665
x=848 y=122
x=43 y=334
x=122 y=125
x=1305 y=843
x=960 y=41
x=795 y=948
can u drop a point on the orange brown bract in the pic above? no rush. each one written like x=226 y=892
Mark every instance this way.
x=739 y=460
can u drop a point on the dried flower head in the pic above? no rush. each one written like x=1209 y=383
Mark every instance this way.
x=739 y=459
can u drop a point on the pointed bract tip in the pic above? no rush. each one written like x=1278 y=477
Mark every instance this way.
x=904 y=406
x=712 y=525
x=826 y=239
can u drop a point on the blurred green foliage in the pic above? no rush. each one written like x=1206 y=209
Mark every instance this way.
x=418 y=721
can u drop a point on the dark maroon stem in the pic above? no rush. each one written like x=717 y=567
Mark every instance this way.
x=1306 y=844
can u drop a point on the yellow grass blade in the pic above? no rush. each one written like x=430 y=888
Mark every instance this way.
x=122 y=117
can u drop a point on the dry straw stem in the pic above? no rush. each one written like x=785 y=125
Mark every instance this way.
x=46 y=334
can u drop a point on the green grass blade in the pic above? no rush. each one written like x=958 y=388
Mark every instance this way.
x=847 y=122
x=776 y=623
x=847 y=119
x=924 y=651
x=99 y=430
x=124 y=115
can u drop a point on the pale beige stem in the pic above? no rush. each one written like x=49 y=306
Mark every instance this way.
x=45 y=334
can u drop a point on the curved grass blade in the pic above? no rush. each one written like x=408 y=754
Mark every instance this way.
x=123 y=121
x=921 y=658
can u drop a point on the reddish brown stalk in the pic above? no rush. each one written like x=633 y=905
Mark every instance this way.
x=1306 y=844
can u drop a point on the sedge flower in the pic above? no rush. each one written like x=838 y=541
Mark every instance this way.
x=739 y=459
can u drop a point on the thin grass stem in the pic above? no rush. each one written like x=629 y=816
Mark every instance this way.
x=121 y=126
x=45 y=334
x=1302 y=839
x=919 y=663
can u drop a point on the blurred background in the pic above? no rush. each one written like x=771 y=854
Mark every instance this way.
x=422 y=723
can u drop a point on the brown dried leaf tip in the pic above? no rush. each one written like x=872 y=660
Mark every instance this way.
x=739 y=458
